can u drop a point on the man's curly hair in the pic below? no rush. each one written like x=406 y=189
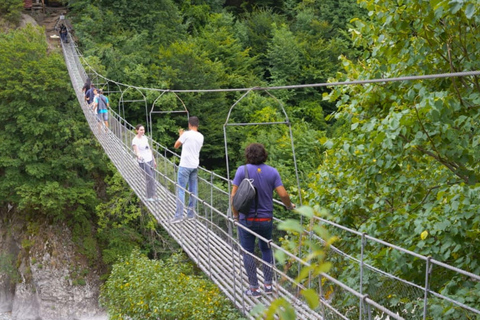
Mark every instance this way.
x=255 y=153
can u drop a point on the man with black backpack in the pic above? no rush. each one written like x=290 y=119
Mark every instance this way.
x=258 y=217
x=101 y=104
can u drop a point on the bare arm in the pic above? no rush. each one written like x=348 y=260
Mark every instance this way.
x=282 y=192
x=235 y=211
x=178 y=143
x=137 y=153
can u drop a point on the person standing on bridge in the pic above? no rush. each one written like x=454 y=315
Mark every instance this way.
x=266 y=179
x=64 y=33
x=145 y=159
x=101 y=104
x=191 y=142
x=90 y=95
x=86 y=87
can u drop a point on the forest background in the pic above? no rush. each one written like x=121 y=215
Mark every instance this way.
x=396 y=160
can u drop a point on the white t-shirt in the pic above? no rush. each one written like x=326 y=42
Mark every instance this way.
x=192 y=142
x=143 y=148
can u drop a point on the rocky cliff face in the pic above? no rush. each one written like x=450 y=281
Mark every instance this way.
x=42 y=276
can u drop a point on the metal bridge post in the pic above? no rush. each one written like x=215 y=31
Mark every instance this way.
x=209 y=253
x=274 y=267
x=428 y=270
x=363 y=241
x=211 y=197
x=368 y=306
x=322 y=300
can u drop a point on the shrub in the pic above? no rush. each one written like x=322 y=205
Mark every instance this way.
x=11 y=10
x=140 y=288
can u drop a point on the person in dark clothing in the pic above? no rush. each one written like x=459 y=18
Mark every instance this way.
x=86 y=87
x=90 y=95
x=63 y=33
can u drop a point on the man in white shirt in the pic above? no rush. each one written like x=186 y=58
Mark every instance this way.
x=191 y=142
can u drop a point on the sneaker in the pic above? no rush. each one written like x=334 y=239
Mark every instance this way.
x=268 y=289
x=176 y=220
x=150 y=199
x=253 y=293
x=190 y=217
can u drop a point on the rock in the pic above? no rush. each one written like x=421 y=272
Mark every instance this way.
x=26 y=19
x=52 y=281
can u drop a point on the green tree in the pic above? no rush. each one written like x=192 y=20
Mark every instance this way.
x=47 y=155
x=126 y=36
x=299 y=58
x=49 y=163
x=255 y=31
x=10 y=11
x=214 y=59
x=332 y=16
x=407 y=161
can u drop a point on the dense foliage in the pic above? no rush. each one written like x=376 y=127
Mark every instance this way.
x=200 y=45
x=402 y=158
x=53 y=171
x=397 y=160
x=48 y=160
x=406 y=166
x=10 y=11
x=140 y=288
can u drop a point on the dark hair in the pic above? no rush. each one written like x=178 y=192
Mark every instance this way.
x=255 y=153
x=193 y=121
x=87 y=85
x=138 y=126
x=100 y=91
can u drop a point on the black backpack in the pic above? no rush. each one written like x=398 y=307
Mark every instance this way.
x=245 y=195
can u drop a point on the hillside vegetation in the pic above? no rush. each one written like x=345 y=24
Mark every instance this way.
x=397 y=160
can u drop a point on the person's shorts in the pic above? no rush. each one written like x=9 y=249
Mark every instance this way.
x=102 y=116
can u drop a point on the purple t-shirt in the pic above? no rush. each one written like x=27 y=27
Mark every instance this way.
x=266 y=179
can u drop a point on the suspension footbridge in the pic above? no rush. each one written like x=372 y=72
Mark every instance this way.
x=211 y=241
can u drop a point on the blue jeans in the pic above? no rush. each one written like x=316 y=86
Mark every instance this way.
x=247 y=240
x=190 y=176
